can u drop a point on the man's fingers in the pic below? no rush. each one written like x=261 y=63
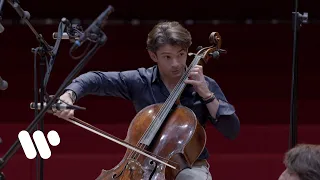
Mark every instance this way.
x=194 y=73
x=195 y=69
x=64 y=113
x=70 y=114
x=194 y=76
x=199 y=67
x=192 y=82
x=198 y=70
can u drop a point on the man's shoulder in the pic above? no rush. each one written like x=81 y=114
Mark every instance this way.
x=147 y=72
x=212 y=83
x=210 y=80
x=142 y=73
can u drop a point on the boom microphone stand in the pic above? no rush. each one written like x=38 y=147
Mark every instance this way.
x=43 y=51
x=94 y=34
x=298 y=19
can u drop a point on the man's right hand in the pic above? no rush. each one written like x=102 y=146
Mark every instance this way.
x=67 y=113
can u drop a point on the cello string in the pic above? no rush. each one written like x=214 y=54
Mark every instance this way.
x=96 y=130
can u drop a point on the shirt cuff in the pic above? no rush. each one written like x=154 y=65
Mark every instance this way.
x=224 y=109
x=77 y=89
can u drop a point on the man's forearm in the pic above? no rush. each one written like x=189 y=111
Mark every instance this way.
x=213 y=107
x=224 y=117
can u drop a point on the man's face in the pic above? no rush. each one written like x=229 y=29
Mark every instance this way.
x=171 y=60
x=286 y=175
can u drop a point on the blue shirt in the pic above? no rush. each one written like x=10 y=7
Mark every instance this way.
x=144 y=87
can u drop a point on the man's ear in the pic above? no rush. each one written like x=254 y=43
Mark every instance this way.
x=153 y=56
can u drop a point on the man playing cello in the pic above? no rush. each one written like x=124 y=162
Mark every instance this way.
x=167 y=45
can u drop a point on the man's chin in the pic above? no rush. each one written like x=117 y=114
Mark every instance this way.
x=176 y=75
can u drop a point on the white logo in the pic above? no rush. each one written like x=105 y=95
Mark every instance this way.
x=40 y=142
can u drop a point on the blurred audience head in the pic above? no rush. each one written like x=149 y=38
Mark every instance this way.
x=302 y=163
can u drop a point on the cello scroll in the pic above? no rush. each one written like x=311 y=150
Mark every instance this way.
x=210 y=52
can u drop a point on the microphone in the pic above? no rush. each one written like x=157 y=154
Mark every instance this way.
x=57 y=106
x=64 y=36
x=3 y=84
x=92 y=31
x=23 y=14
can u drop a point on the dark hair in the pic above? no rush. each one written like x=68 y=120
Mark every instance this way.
x=304 y=160
x=168 y=32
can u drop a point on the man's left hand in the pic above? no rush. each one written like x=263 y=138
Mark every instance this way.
x=196 y=78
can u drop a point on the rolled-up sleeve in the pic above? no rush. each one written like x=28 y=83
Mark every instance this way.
x=226 y=121
x=225 y=108
x=99 y=83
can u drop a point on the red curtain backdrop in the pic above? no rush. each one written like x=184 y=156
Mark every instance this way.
x=255 y=76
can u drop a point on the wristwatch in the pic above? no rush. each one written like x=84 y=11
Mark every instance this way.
x=72 y=95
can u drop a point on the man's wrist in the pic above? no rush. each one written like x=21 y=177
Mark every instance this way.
x=72 y=95
x=209 y=98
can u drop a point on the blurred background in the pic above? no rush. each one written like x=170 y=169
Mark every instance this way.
x=255 y=76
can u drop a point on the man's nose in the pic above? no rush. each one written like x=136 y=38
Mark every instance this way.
x=175 y=63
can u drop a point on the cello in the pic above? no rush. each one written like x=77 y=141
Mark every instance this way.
x=163 y=138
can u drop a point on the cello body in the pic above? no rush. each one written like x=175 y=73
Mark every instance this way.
x=180 y=139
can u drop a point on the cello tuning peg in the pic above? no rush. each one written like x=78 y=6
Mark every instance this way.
x=191 y=54
x=215 y=54
x=222 y=51
x=199 y=48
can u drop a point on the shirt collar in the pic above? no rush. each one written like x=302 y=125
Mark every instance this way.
x=155 y=74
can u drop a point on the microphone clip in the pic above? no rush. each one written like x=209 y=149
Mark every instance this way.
x=94 y=33
x=73 y=30
x=58 y=106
